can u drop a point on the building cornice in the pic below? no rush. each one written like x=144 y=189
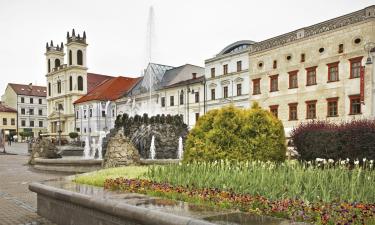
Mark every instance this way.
x=367 y=13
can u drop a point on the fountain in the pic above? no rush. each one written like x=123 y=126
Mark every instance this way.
x=102 y=135
x=152 y=148
x=93 y=150
x=180 y=151
x=86 y=151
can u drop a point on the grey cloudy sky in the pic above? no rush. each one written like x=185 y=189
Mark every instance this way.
x=188 y=31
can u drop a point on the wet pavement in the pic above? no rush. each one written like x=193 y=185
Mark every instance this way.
x=17 y=203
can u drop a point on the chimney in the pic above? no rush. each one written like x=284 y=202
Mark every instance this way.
x=31 y=86
x=194 y=75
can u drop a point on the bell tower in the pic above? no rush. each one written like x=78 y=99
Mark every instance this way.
x=76 y=49
x=54 y=56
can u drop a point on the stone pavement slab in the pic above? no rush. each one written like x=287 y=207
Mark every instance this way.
x=17 y=203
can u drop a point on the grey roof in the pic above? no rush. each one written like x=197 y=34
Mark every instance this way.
x=236 y=47
x=181 y=73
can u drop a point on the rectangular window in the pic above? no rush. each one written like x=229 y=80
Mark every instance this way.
x=113 y=113
x=311 y=109
x=212 y=72
x=256 y=86
x=182 y=98
x=293 y=111
x=333 y=72
x=274 y=109
x=77 y=114
x=12 y=121
x=31 y=111
x=40 y=101
x=225 y=91
x=274 y=64
x=23 y=112
x=355 y=104
x=332 y=108
x=239 y=66
x=31 y=101
x=40 y=123
x=23 y=123
x=311 y=76
x=196 y=97
x=213 y=94
x=5 y=121
x=84 y=114
x=90 y=112
x=355 y=67
x=274 y=83
x=293 y=79
x=303 y=57
x=225 y=69
x=239 y=89
x=103 y=113
x=31 y=123
x=22 y=100
x=341 y=48
x=196 y=117
x=171 y=100
x=40 y=112
x=162 y=100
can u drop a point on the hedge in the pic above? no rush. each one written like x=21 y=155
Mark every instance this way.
x=324 y=139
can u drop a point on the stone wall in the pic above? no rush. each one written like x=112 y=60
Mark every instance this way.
x=43 y=148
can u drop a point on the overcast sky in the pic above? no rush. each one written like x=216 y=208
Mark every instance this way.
x=188 y=31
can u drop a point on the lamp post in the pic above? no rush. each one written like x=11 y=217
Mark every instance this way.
x=59 y=106
x=369 y=47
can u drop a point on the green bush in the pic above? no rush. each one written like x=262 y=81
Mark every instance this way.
x=237 y=135
x=73 y=135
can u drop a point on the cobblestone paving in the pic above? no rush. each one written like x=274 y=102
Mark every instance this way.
x=17 y=203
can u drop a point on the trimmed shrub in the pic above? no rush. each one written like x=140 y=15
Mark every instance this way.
x=237 y=135
x=323 y=139
x=73 y=135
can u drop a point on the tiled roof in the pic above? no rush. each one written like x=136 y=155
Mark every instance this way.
x=4 y=108
x=93 y=80
x=110 y=89
x=30 y=90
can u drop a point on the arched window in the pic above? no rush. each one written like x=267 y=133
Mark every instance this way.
x=80 y=83
x=49 y=89
x=59 y=86
x=49 y=65
x=79 y=58
x=57 y=63
x=70 y=83
x=70 y=57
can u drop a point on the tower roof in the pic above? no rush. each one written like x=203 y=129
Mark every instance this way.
x=76 y=38
x=4 y=108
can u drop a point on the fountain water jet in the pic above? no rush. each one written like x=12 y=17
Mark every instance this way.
x=180 y=151
x=152 y=147
x=86 y=150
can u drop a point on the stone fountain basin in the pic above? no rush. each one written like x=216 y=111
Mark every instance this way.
x=65 y=202
x=68 y=164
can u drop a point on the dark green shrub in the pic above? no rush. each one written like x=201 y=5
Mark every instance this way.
x=237 y=135
x=323 y=139
x=73 y=135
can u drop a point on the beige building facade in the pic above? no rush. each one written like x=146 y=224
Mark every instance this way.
x=315 y=72
x=8 y=120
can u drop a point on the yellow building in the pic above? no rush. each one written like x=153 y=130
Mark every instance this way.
x=8 y=120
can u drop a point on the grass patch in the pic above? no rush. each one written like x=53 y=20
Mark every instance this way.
x=98 y=178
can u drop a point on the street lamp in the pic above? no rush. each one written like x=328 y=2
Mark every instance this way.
x=369 y=47
x=59 y=107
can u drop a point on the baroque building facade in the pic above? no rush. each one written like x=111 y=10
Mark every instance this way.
x=317 y=72
x=67 y=82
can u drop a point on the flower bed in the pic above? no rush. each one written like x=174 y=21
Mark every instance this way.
x=294 y=209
